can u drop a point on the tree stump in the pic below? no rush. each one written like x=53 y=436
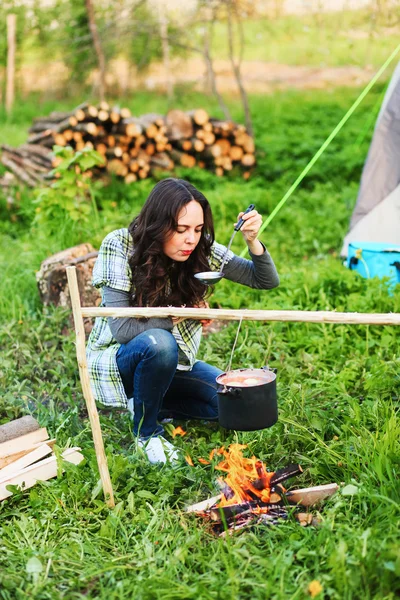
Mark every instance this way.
x=52 y=278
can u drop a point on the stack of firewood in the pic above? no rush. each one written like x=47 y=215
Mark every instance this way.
x=133 y=147
x=26 y=455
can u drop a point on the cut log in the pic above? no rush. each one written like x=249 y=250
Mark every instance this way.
x=199 y=116
x=26 y=460
x=182 y=158
x=19 y=172
x=224 y=145
x=10 y=458
x=310 y=496
x=285 y=473
x=162 y=161
x=130 y=178
x=117 y=167
x=236 y=153
x=18 y=427
x=248 y=160
x=179 y=125
x=23 y=442
x=52 y=278
x=41 y=471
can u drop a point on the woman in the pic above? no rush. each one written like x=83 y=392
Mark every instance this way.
x=149 y=365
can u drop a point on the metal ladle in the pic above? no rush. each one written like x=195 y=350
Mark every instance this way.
x=211 y=277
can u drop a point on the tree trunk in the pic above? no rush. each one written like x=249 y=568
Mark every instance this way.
x=236 y=67
x=97 y=47
x=11 y=33
x=163 y=24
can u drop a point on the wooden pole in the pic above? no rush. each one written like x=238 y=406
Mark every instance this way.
x=316 y=316
x=11 y=29
x=85 y=382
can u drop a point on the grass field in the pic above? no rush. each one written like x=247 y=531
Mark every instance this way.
x=338 y=389
x=322 y=39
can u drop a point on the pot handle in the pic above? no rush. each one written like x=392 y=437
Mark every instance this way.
x=267 y=368
x=223 y=389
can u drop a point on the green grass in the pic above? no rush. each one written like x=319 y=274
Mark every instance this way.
x=338 y=389
x=327 y=40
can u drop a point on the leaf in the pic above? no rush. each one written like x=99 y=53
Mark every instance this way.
x=146 y=495
x=97 y=489
x=350 y=490
x=34 y=567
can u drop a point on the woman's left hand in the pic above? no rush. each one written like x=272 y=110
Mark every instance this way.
x=251 y=226
x=203 y=304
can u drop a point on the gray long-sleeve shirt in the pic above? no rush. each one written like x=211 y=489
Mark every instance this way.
x=258 y=273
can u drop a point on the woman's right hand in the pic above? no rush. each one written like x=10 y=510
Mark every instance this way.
x=176 y=320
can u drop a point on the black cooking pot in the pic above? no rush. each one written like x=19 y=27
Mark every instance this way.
x=247 y=399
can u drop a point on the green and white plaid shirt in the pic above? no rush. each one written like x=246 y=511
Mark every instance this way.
x=112 y=270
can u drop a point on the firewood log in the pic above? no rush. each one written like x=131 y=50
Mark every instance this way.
x=130 y=126
x=41 y=471
x=310 y=496
x=199 y=116
x=19 y=172
x=91 y=112
x=182 y=158
x=150 y=149
x=44 y=138
x=25 y=461
x=143 y=173
x=162 y=160
x=115 y=115
x=130 y=178
x=184 y=145
x=134 y=166
x=125 y=113
x=179 y=125
x=248 y=160
x=236 y=153
x=103 y=115
x=224 y=145
x=18 y=427
x=212 y=152
x=90 y=128
x=198 y=145
x=117 y=167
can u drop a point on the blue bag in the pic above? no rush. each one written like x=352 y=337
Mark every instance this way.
x=374 y=259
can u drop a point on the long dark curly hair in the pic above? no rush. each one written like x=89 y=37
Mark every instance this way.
x=157 y=279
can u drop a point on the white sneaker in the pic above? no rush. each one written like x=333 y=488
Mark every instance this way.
x=131 y=407
x=159 y=450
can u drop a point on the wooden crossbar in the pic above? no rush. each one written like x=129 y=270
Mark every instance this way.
x=304 y=316
x=193 y=313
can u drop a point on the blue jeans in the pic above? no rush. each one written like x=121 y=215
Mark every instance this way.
x=147 y=365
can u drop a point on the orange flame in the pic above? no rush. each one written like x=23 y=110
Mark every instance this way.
x=247 y=477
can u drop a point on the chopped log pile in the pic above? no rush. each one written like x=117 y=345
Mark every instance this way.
x=26 y=455
x=251 y=495
x=133 y=147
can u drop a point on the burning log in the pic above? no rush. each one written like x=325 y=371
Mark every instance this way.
x=285 y=473
x=221 y=513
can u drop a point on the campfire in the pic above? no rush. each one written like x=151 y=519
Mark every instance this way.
x=251 y=495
